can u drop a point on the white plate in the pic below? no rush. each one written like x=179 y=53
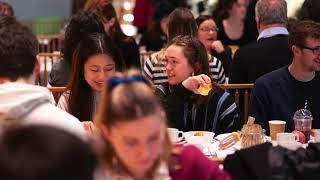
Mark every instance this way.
x=192 y=139
x=214 y=147
x=222 y=136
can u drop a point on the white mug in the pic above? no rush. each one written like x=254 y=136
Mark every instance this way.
x=174 y=134
x=287 y=138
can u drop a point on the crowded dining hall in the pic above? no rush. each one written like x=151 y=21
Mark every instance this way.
x=159 y=90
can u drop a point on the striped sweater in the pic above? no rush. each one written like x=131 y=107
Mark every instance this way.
x=155 y=69
x=219 y=115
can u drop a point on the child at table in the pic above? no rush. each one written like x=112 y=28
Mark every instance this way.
x=133 y=125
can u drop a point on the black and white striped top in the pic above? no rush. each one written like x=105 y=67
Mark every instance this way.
x=155 y=69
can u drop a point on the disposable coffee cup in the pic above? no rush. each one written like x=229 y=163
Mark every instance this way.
x=276 y=126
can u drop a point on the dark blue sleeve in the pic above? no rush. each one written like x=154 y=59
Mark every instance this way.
x=259 y=104
x=230 y=118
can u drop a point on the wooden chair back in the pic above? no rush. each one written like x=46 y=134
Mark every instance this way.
x=241 y=94
x=57 y=92
x=46 y=62
x=50 y=43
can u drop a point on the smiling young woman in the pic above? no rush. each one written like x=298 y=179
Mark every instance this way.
x=207 y=34
x=188 y=69
x=94 y=61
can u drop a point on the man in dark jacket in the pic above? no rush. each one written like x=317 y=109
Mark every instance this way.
x=270 y=51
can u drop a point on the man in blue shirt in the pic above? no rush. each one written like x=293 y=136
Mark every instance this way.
x=278 y=94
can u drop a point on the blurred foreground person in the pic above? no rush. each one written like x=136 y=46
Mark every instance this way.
x=44 y=153
x=133 y=125
x=21 y=100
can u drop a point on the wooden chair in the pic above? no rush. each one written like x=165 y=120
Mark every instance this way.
x=143 y=56
x=57 y=92
x=50 y=43
x=46 y=61
x=241 y=95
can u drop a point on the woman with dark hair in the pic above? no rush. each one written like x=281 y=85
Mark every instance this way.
x=127 y=45
x=133 y=126
x=309 y=11
x=207 y=34
x=181 y=22
x=234 y=29
x=155 y=38
x=82 y=24
x=187 y=108
x=94 y=61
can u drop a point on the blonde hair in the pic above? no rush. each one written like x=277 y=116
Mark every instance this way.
x=126 y=102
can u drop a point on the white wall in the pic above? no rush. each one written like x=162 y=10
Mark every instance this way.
x=28 y=9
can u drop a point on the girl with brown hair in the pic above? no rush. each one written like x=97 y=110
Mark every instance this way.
x=188 y=69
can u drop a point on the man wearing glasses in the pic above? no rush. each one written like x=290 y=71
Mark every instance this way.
x=278 y=94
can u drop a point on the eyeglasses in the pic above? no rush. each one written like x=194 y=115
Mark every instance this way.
x=215 y=29
x=315 y=50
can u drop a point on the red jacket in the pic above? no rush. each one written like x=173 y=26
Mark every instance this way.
x=194 y=165
x=142 y=13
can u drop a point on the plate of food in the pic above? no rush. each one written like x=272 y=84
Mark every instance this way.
x=198 y=137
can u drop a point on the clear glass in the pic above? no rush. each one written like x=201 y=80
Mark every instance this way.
x=303 y=122
x=252 y=135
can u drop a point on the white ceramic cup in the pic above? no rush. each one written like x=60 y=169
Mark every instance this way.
x=291 y=145
x=286 y=137
x=174 y=134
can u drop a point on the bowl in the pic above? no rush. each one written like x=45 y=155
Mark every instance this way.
x=198 y=137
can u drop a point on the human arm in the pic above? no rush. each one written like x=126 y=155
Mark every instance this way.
x=147 y=70
x=63 y=101
x=173 y=102
x=155 y=68
x=192 y=83
x=194 y=165
x=225 y=57
x=230 y=118
x=217 y=46
x=259 y=105
x=217 y=71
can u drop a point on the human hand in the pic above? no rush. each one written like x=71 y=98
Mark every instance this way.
x=192 y=83
x=89 y=127
x=217 y=46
